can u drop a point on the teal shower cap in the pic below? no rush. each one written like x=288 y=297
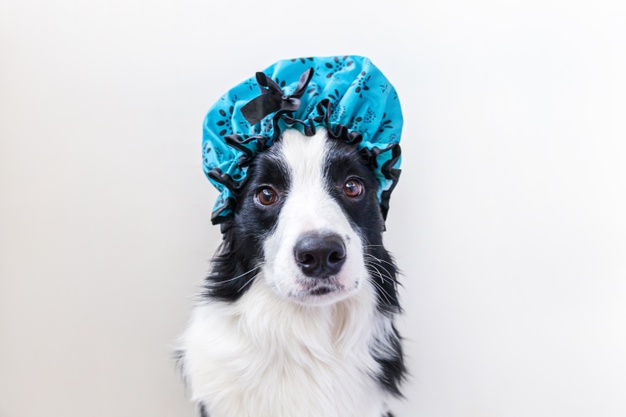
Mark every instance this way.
x=347 y=95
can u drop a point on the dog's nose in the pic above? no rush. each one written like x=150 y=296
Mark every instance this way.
x=320 y=255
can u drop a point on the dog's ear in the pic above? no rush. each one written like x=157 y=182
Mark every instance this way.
x=232 y=269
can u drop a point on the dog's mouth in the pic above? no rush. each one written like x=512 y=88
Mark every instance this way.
x=322 y=290
x=317 y=289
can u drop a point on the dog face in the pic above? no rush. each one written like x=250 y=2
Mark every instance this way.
x=313 y=251
x=308 y=223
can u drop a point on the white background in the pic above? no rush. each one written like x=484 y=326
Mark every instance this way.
x=509 y=220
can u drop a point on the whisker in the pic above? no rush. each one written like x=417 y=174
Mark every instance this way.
x=393 y=281
x=383 y=292
x=382 y=280
x=244 y=274
x=376 y=266
x=248 y=282
x=380 y=260
x=381 y=266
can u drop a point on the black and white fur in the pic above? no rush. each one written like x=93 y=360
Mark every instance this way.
x=267 y=340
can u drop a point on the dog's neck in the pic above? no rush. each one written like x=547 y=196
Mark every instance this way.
x=267 y=356
x=270 y=320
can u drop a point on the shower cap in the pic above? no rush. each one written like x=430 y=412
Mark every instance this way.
x=346 y=95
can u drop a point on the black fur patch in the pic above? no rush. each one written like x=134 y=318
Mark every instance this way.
x=393 y=370
x=365 y=216
x=237 y=260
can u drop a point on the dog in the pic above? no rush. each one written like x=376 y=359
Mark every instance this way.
x=296 y=317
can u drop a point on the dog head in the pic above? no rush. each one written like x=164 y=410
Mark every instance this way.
x=309 y=224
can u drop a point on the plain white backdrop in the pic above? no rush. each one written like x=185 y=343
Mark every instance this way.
x=509 y=221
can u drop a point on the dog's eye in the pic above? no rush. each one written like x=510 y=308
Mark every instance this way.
x=353 y=188
x=266 y=196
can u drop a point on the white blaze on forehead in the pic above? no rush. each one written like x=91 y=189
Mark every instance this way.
x=308 y=199
x=305 y=157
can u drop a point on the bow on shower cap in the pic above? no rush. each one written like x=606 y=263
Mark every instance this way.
x=347 y=95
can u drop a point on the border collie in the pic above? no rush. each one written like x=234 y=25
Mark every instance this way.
x=296 y=318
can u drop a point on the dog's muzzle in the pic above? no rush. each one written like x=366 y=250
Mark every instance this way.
x=320 y=255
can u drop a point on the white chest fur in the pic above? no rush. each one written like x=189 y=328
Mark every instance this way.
x=266 y=357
